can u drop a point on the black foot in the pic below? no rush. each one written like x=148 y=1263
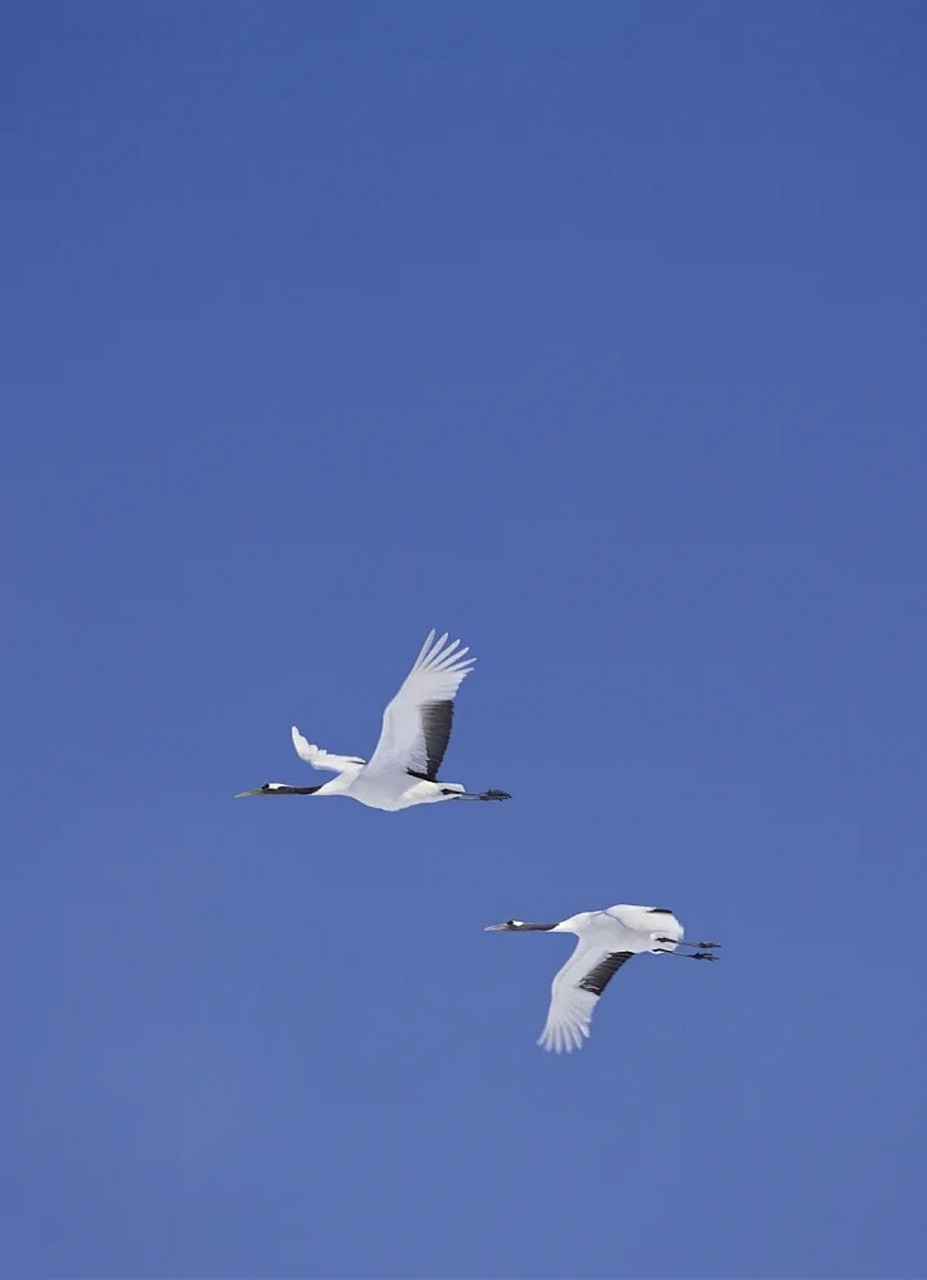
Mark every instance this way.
x=702 y=955
x=495 y=795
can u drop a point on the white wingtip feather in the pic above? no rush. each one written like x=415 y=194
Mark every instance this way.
x=304 y=749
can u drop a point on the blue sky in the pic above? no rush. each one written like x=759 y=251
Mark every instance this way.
x=593 y=334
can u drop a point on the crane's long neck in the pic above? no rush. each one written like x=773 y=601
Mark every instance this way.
x=520 y=926
x=281 y=789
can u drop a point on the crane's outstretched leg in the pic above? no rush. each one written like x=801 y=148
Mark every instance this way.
x=702 y=946
x=685 y=955
x=480 y=795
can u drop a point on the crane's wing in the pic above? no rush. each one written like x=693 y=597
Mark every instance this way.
x=417 y=723
x=575 y=993
x=320 y=759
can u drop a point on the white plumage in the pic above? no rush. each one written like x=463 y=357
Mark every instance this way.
x=607 y=939
x=403 y=769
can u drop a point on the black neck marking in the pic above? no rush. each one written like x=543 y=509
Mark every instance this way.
x=289 y=791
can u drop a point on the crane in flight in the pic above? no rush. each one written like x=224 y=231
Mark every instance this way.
x=403 y=770
x=607 y=939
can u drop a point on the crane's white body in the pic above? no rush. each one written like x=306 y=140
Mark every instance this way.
x=388 y=789
x=606 y=940
x=413 y=739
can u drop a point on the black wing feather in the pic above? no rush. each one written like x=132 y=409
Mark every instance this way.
x=597 y=979
x=437 y=718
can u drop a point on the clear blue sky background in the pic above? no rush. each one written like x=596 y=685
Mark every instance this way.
x=593 y=333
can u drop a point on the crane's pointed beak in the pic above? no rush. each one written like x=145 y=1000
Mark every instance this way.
x=258 y=791
x=490 y=928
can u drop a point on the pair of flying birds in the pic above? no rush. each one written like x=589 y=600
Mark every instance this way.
x=403 y=771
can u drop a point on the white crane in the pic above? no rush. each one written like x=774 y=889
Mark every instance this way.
x=403 y=769
x=606 y=940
